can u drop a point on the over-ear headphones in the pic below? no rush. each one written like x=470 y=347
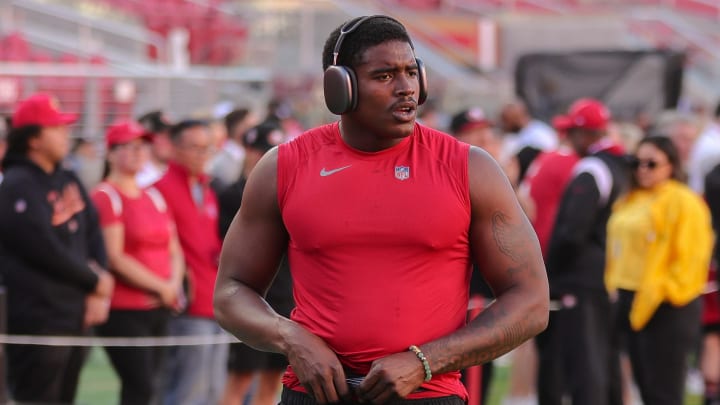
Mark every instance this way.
x=340 y=82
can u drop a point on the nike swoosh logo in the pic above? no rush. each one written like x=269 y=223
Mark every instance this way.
x=324 y=172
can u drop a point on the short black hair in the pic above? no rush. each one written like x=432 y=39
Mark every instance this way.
x=154 y=121
x=18 y=140
x=372 y=32
x=78 y=143
x=234 y=118
x=177 y=130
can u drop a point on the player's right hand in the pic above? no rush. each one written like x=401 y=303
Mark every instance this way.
x=316 y=366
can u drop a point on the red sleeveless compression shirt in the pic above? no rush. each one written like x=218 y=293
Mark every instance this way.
x=378 y=248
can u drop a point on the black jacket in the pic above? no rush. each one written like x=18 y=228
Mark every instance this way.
x=576 y=257
x=49 y=231
x=712 y=196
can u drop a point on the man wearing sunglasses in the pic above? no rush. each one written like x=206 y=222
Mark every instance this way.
x=576 y=357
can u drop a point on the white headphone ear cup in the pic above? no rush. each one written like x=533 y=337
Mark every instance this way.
x=339 y=85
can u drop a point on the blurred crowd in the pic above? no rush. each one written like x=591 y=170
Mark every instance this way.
x=625 y=213
x=121 y=239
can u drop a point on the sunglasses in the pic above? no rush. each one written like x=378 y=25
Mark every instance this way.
x=647 y=164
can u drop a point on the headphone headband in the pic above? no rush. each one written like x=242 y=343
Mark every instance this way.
x=351 y=26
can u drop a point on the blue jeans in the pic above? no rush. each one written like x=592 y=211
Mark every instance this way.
x=194 y=375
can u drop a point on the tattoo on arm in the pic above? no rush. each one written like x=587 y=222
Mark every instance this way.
x=506 y=335
x=502 y=329
x=509 y=239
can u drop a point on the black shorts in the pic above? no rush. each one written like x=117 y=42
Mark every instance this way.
x=244 y=359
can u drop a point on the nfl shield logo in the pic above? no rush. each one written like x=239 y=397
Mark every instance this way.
x=402 y=172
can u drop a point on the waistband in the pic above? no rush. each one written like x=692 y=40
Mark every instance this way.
x=290 y=397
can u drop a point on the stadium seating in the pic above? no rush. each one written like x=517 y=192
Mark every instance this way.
x=70 y=90
x=654 y=31
x=216 y=38
x=694 y=7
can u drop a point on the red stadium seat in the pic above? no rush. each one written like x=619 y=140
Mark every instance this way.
x=16 y=48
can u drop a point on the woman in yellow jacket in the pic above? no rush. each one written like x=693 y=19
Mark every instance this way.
x=660 y=242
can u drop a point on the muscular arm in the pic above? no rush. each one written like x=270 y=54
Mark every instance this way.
x=251 y=253
x=508 y=255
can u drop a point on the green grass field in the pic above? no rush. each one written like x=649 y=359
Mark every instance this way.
x=100 y=386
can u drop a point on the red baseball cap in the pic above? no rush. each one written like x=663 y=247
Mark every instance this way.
x=585 y=113
x=561 y=123
x=41 y=109
x=123 y=132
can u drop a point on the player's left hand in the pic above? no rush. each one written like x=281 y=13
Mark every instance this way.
x=392 y=377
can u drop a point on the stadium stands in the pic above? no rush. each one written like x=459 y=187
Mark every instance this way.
x=216 y=37
x=708 y=8
x=70 y=90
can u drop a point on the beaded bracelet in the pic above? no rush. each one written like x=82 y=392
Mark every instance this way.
x=423 y=359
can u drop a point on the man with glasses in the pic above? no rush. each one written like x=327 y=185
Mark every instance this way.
x=194 y=374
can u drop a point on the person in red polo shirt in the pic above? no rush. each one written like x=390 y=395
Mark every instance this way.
x=144 y=252
x=194 y=374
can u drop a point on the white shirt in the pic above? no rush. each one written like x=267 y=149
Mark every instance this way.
x=704 y=156
x=149 y=174
x=226 y=166
x=537 y=134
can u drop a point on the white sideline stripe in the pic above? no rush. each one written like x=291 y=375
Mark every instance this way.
x=195 y=340
x=89 y=341
x=159 y=341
